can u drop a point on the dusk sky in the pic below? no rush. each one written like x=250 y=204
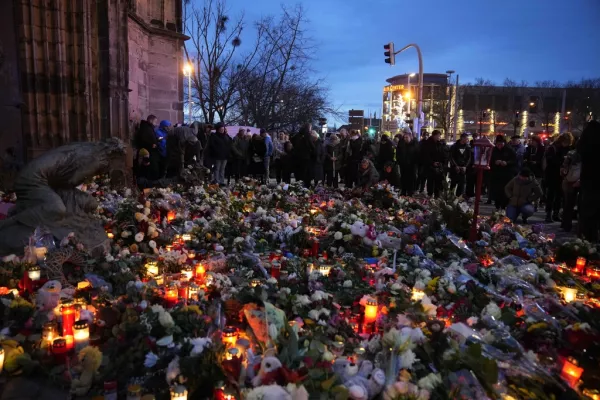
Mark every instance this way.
x=521 y=39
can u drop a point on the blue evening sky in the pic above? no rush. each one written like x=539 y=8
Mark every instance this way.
x=521 y=39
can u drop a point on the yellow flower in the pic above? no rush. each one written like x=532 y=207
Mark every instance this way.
x=433 y=283
x=20 y=302
x=539 y=325
x=208 y=236
x=139 y=216
x=134 y=248
x=192 y=309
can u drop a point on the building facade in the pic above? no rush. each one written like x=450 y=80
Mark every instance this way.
x=86 y=70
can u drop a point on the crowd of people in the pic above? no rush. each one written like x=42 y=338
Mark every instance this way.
x=557 y=174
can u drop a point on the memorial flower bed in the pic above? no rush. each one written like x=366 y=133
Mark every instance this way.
x=280 y=292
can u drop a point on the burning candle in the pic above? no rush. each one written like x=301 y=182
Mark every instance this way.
x=417 y=294
x=81 y=333
x=275 y=270
x=59 y=348
x=110 y=235
x=68 y=317
x=325 y=270
x=592 y=394
x=1 y=359
x=187 y=273
x=169 y=248
x=179 y=392
x=159 y=279
x=230 y=335
x=83 y=285
x=579 y=265
x=315 y=248
x=34 y=273
x=49 y=333
x=186 y=237
x=370 y=311
x=134 y=392
x=171 y=295
x=193 y=291
x=171 y=215
x=231 y=353
x=200 y=271
x=191 y=254
x=571 y=372
x=568 y=293
x=592 y=272
x=152 y=268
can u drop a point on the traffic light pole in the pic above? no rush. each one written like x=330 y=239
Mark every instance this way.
x=417 y=125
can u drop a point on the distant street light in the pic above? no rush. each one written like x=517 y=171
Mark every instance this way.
x=532 y=104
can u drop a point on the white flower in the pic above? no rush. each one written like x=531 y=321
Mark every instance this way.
x=199 y=345
x=301 y=300
x=166 y=320
x=416 y=335
x=407 y=359
x=348 y=284
x=319 y=295
x=492 y=310
x=402 y=320
x=430 y=381
x=451 y=288
x=125 y=234
x=238 y=240
x=151 y=360
x=139 y=236
x=314 y=314
x=152 y=244
x=110 y=258
x=338 y=235
x=328 y=356
x=270 y=392
x=173 y=370
x=157 y=308
x=472 y=321
x=10 y=258
x=272 y=281
x=531 y=356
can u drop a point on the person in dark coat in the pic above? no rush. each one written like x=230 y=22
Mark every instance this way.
x=142 y=169
x=333 y=161
x=434 y=162
x=367 y=174
x=257 y=151
x=589 y=215
x=178 y=140
x=533 y=158
x=554 y=158
x=422 y=171
x=317 y=159
x=387 y=153
x=390 y=174
x=503 y=168
x=460 y=159
x=218 y=149
x=354 y=155
x=239 y=155
x=161 y=137
x=407 y=158
x=146 y=139
x=303 y=150
x=287 y=162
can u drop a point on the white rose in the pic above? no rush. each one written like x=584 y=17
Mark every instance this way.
x=338 y=235
x=348 y=284
x=152 y=244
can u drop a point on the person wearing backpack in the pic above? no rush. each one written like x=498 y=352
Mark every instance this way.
x=571 y=172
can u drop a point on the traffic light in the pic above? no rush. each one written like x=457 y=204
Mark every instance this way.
x=371 y=131
x=322 y=121
x=389 y=53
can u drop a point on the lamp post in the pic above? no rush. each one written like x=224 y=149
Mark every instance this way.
x=482 y=157
x=449 y=108
x=409 y=94
x=187 y=71
x=417 y=124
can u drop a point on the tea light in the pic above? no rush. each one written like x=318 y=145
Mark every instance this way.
x=325 y=270
x=169 y=248
x=359 y=354
x=179 y=392
x=186 y=237
x=1 y=359
x=134 y=392
x=193 y=291
x=152 y=268
x=230 y=335
x=67 y=310
x=81 y=334
x=255 y=282
x=417 y=294
x=159 y=279
x=580 y=265
x=571 y=372
x=35 y=273
x=187 y=273
x=231 y=353
x=370 y=311
x=592 y=272
x=592 y=394
x=568 y=293
x=110 y=235
x=191 y=254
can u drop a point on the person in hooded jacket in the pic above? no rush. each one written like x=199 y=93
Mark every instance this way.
x=533 y=158
x=460 y=159
x=161 y=134
x=503 y=168
x=387 y=153
x=367 y=174
x=354 y=155
x=589 y=214
x=333 y=161
x=146 y=139
x=390 y=174
x=522 y=192
x=303 y=150
x=407 y=156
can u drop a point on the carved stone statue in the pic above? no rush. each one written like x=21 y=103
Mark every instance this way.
x=47 y=195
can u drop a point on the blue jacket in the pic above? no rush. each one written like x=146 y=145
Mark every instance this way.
x=269 y=143
x=161 y=137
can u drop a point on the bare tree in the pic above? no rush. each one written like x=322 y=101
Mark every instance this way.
x=585 y=96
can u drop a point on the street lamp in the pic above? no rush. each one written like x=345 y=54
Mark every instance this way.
x=188 y=68
x=482 y=149
x=411 y=75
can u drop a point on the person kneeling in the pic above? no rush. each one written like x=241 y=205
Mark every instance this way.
x=522 y=191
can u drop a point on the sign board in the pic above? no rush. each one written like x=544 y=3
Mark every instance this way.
x=390 y=125
x=393 y=88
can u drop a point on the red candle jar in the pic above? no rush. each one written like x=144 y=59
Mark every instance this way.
x=183 y=291
x=60 y=350
x=579 y=265
x=67 y=310
x=171 y=296
x=275 y=270
x=315 y=248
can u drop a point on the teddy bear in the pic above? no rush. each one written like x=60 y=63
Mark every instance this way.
x=362 y=380
x=90 y=359
x=272 y=371
x=47 y=298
